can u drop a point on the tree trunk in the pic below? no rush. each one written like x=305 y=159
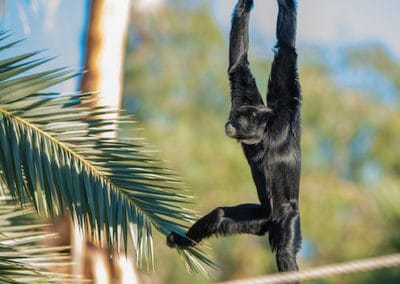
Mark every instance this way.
x=105 y=50
x=105 y=53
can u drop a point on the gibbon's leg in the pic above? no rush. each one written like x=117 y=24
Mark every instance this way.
x=285 y=240
x=242 y=219
x=243 y=85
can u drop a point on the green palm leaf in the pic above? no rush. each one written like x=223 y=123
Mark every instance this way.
x=51 y=155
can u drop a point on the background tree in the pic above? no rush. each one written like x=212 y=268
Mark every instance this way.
x=104 y=57
x=105 y=50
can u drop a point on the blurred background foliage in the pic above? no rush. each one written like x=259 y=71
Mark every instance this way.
x=176 y=85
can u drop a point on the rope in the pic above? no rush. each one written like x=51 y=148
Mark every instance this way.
x=325 y=271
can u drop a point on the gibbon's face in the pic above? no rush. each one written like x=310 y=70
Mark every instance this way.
x=247 y=124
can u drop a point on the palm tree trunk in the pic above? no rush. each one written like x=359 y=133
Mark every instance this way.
x=105 y=53
x=105 y=50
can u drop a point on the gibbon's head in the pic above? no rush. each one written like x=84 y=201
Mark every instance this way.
x=247 y=123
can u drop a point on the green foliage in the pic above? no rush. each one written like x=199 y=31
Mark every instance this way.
x=54 y=154
x=176 y=44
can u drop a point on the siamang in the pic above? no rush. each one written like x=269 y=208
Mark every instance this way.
x=270 y=138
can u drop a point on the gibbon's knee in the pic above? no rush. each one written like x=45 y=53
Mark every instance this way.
x=218 y=212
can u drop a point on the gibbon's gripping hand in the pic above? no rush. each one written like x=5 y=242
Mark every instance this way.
x=176 y=240
x=288 y=3
x=244 y=5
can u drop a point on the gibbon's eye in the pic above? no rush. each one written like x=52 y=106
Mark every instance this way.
x=253 y=114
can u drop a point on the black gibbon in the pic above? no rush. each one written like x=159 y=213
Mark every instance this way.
x=270 y=137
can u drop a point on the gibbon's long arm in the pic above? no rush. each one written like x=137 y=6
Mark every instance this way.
x=244 y=90
x=283 y=86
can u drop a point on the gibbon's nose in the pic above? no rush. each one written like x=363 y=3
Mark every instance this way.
x=230 y=130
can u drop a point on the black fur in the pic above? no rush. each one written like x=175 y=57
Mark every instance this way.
x=270 y=137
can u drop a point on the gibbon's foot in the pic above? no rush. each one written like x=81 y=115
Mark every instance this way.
x=176 y=240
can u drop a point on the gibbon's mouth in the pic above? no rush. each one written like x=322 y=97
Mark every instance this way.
x=249 y=141
x=230 y=130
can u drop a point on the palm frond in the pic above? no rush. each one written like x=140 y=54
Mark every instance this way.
x=23 y=257
x=51 y=155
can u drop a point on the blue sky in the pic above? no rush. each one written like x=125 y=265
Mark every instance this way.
x=333 y=22
x=58 y=27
